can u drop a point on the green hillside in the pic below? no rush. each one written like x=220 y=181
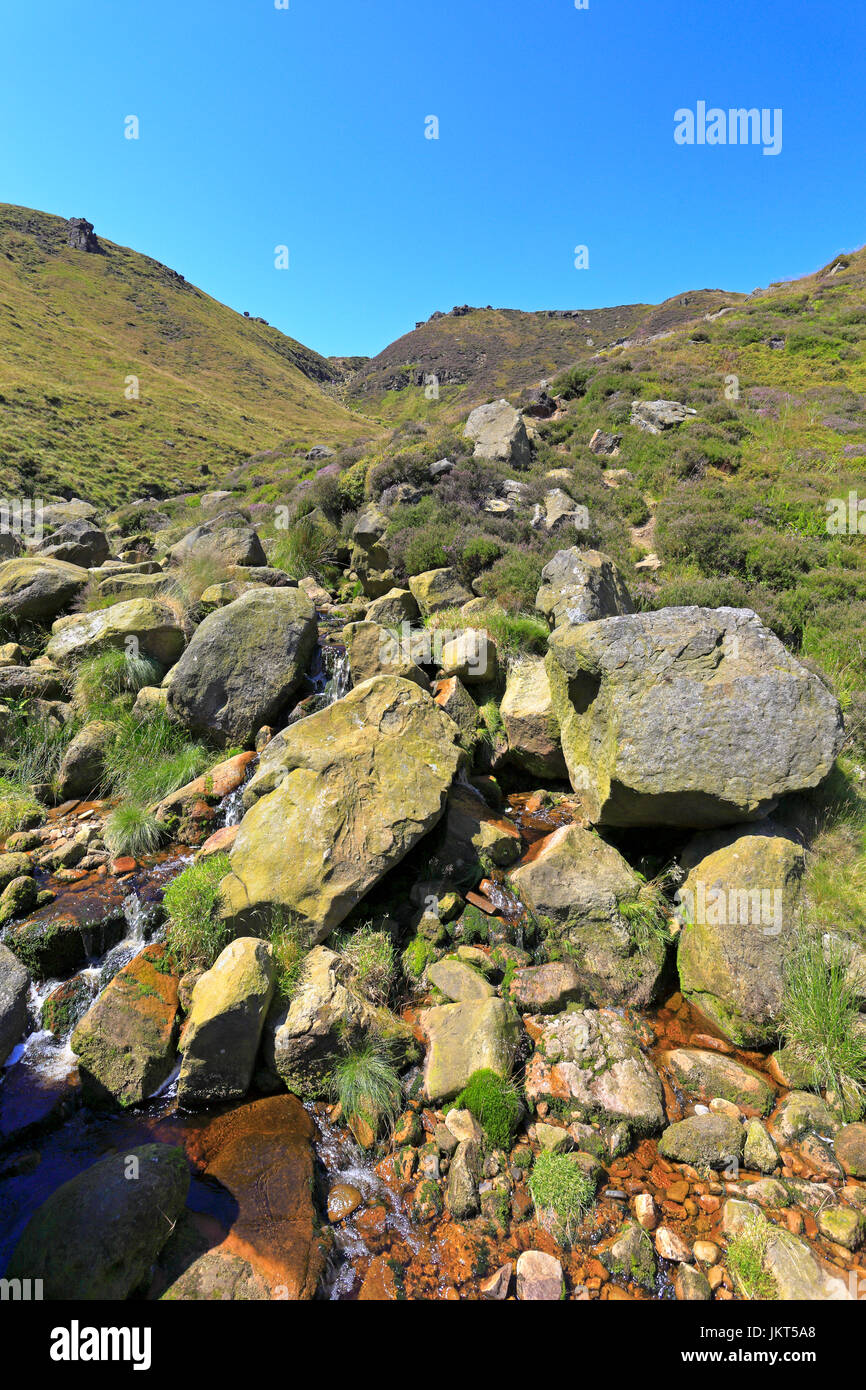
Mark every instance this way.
x=214 y=386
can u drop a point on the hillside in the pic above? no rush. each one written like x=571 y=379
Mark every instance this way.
x=476 y=353
x=214 y=385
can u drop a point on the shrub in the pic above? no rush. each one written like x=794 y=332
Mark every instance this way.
x=194 y=933
x=495 y=1103
x=478 y=554
x=366 y=1084
x=820 y=1018
x=514 y=580
x=130 y=829
x=561 y=1193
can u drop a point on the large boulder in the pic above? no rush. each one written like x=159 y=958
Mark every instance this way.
x=97 y=1236
x=31 y=683
x=712 y=1141
x=373 y=650
x=14 y=990
x=338 y=800
x=125 y=1042
x=325 y=1016
x=33 y=587
x=243 y=663
x=219 y=539
x=393 y=609
x=592 y=1062
x=437 y=589
x=740 y=909
x=574 y=884
x=475 y=1035
x=581 y=586
x=224 y=1026
x=692 y=717
x=657 y=416
x=706 y=1074
x=83 y=764
x=499 y=434
x=261 y=1155
x=146 y=626
x=77 y=542
x=530 y=721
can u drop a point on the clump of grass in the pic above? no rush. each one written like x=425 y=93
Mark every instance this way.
x=647 y=916
x=372 y=962
x=131 y=829
x=561 y=1193
x=19 y=808
x=194 y=933
x=834 y=885
x=290 y=940
x=745 y=1257
x=100 y=679
x=305 y=549
x=819 y=1018
x=495 y=1103
x=151 y=757
x=417 y=956
x=33 y=748
x=515 y=634
x=193 y=576
x=367 y=1085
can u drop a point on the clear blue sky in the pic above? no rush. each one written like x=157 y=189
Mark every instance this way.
x=305 y=127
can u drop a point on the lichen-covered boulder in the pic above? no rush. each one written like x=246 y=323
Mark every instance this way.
x=530 y=721
x=581 y=586
x=463 y=1038
x=713 y=1141
x=393 y=609
x=243 y=664
x=224 y=1026
x=78 y=542
x=374 y=650
x=575 y=885
x=692 y=717
x=38 y=588
x=339 y=798
x=230 y=544
x=83 y=764
x=592 y=1062
x=125 y=1041
x=499 y=434
x=148 y=627
x=705 y=1074
x=98 y=1235
x=740 y=910
x=437 y=589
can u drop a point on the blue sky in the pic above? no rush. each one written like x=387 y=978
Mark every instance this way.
x=305 y=127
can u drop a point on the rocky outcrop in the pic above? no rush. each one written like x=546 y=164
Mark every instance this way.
x=98 y=1235
x=687 y=716
x=499 y=434
x=338 y=800
x=592 y=1062
x=657 y=416
x=242 y=665
x=575 y=885
x=581 y=586
x=740 y=909
x=81 y=236
x=151 y=625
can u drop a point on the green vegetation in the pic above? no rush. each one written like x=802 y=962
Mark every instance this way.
x=213 y=386
x=100 y=679
x=417 y=956
x=745 y=1257
x=513 y=633
x=647 y=915
x=371 y=960
x=150 y=757
x=19 y=809
x=495 y=1103
x=821 y=1016
x=130 y=829
x=305 y=548
x=195 y=935
x=561 y=1193
x=290 y=940
x=367 y=1085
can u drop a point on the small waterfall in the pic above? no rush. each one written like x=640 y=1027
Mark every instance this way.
x=231 y=811
x=337 y=659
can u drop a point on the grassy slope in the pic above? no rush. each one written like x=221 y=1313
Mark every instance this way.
x=214 y=385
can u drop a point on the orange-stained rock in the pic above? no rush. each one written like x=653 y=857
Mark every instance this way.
x=262 y=1154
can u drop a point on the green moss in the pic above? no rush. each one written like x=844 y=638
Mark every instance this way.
x=495 y=1103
